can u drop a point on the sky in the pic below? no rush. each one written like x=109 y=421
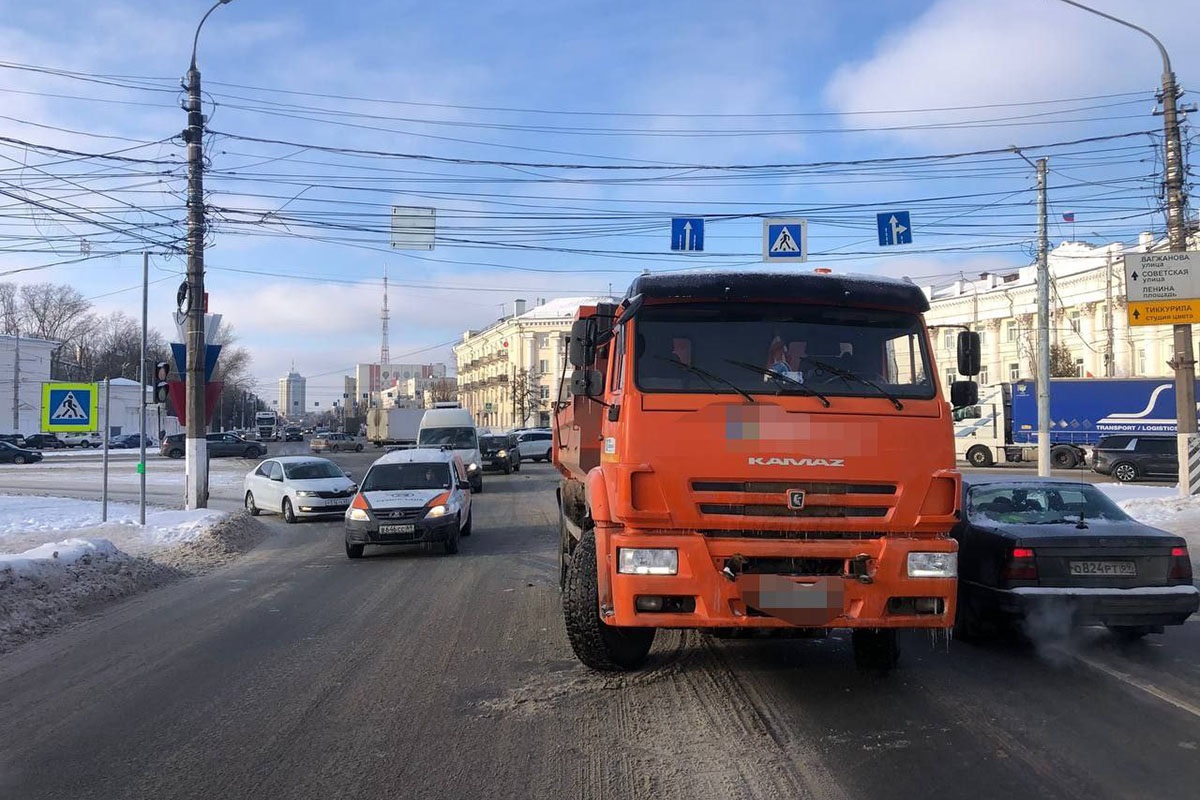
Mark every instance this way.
x=555 y=144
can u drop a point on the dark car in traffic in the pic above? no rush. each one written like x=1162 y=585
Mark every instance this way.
x=1129 y=457
x=44 y=441
x=11 y=454
x=1044 y=556
x=292 y=433
x=126 y=441
x=15 y=439
x=499 y=451
x=219 y=445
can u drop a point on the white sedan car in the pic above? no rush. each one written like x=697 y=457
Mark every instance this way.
x=298 y=486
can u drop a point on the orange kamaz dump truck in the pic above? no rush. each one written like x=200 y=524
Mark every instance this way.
x=757 y=450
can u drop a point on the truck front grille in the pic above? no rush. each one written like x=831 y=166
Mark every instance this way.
x=750 y=533
x=777 y=499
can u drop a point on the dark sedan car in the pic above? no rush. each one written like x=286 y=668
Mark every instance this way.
x=219 y=445
x=11 y=454
x=44 y=441
x=1047 y=555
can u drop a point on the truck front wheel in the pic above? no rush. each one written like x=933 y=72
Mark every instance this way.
x=980 y=456
x=599 y=646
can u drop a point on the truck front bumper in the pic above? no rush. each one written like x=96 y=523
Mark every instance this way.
x=858 y=583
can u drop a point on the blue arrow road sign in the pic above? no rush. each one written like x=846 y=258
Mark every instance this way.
x=894 y=228
x=687 y=234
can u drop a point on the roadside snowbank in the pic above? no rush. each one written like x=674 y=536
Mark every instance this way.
x=61 y=561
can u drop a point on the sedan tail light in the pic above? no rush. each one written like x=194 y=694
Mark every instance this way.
x=1181 y=565
x=1021 y=565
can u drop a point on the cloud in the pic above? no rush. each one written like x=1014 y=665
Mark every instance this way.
x=977 y=52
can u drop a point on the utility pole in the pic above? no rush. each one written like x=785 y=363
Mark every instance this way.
x=142 y=399
x=1043 y=333
x=1184 y=362
x=1109 y=355
x=196 y=445
x=17 y=384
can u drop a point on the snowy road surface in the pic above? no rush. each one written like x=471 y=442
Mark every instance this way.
x=297 y=673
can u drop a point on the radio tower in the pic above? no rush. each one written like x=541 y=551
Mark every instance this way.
x=385 y=355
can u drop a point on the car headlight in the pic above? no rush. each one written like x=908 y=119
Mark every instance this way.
x=357 y=514
x=306 y=493
x=472 y=467
x=437 y=511
x=647 y=561
x=933 y=565
x=503 y=454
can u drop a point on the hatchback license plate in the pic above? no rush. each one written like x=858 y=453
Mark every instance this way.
x=397 y=528
x=1125 y=569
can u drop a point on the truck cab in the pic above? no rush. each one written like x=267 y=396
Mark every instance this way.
x=765 y=451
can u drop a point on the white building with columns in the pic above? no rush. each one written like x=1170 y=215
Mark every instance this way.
x=1088 y=317
x=516 y=363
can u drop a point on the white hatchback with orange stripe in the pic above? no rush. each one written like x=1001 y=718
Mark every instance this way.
x=411 y=497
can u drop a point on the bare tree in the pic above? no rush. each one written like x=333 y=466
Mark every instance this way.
x=526 y=397
x=10 y=309
x=233 y=368
x=57 y=312
x=443 y=390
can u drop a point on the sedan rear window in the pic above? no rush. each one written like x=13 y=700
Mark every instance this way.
x=1031 y=504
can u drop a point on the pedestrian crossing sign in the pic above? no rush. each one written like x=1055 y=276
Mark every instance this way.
x=785 y=239
x=69 y=407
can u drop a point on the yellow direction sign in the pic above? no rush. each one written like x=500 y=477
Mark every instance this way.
x=1164 y=312
x=69 y=407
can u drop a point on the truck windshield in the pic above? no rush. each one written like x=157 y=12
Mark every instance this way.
x=458 y=438
x=781 y=349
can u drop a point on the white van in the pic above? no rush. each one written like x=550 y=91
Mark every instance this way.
x=454 y=427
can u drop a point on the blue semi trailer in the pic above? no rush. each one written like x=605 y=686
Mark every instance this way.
x=1003 y=427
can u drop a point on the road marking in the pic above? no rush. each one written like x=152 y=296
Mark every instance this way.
x=1148 y=688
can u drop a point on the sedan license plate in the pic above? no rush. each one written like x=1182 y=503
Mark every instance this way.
x=1124 y=569
x=397 y=528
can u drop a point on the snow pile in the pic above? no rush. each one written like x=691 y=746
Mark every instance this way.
x=1162 y=507
x=58 y=561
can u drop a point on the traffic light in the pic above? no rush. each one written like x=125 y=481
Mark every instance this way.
x=162 y=371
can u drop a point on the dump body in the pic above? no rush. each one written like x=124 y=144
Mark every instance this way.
x=790 y=496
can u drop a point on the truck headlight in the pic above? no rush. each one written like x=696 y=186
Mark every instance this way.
x=933 y=565
x=437 y=511
x=472 y=467
x=646 y=561
x=502 y=454
x=357 y=514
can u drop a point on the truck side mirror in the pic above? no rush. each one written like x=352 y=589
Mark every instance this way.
x=963 y=394
x=969 y=353
x=587 y=382
x=580 y=349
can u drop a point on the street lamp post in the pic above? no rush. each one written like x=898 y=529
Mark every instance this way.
x=1184 y=362
x=196 y=448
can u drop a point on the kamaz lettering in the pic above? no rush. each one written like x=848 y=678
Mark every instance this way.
x=796 y=462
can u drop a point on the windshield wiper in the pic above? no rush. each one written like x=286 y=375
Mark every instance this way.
x=770 y=373
x=705 y=374
x=850 y=376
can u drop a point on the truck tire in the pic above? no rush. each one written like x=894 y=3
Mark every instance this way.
x=1064 y=457
x=980 y=456
x=599 y=646
x=876 y=649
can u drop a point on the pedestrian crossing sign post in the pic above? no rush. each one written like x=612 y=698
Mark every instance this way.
x=69 y=407
x=785 y=239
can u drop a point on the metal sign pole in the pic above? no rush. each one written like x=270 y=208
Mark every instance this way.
x=142 y=399
x=104 y=470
